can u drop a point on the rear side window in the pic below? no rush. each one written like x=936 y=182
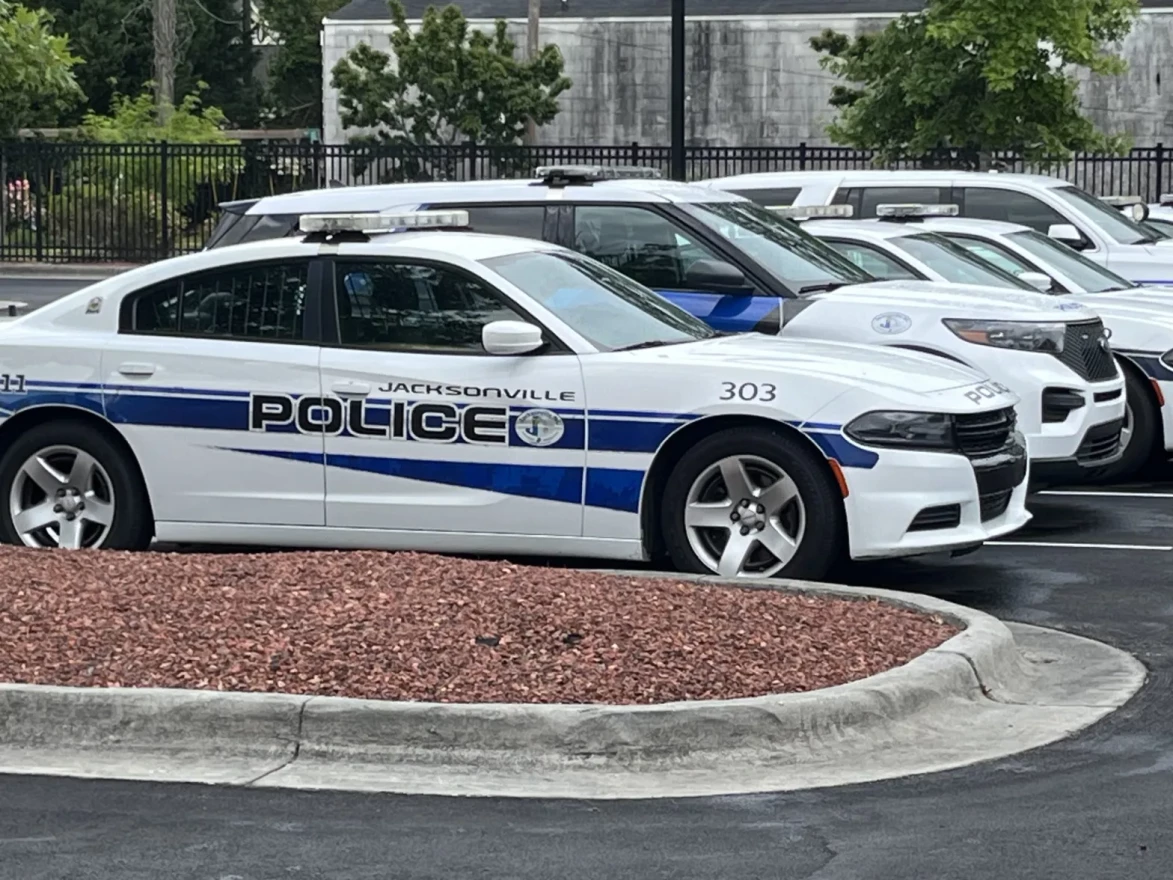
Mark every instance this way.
x=771 y=198
x=230 y=229
x=524 y=221
x=987 y=203
x=240 y=228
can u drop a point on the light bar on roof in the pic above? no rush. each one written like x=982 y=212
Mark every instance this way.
x=913 y=210
x=598 y=172
x=1121 y=201
x=329 y=223
x=810 y=212
x=1167 y=199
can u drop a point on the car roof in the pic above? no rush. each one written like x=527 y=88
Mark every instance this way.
x=970 y=224
x=875 y=229
x=923 y=177
x=380 y=197
x=442 y=242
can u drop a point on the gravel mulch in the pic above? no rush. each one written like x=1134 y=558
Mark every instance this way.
x=413 y=626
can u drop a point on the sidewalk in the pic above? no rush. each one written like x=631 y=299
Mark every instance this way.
x=62 y=270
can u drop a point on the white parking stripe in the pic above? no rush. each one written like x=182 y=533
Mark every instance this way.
x=1065 y=544
x=1111 y=494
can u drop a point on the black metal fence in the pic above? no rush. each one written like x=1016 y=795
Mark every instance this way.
x=84 y=202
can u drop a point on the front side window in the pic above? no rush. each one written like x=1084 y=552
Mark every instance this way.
x=1089 y=275
x=992 y=253
x=642 y=244
x=263 y=302
x=1111 y=221
x=875 y=262
x=795 y=257
x=1008 y=206
x=602 y=305
x=954 y=263
x=398 y=305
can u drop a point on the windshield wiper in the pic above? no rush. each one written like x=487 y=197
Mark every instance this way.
x=826 y=285
x=651 y=343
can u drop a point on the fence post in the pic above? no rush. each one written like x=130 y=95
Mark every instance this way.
x=165 y=220
x=635 y=152
x=3 y=198
x=40 y=211
x=802 y=156
x=1160 y=170
x=471 y=146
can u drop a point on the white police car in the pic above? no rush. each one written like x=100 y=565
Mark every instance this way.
x=1052 y=206
x=1139 y=318
x=740 y=267
x=448 y=391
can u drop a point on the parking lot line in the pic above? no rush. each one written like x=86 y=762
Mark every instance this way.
x=1067 y=545
x=1109 y=494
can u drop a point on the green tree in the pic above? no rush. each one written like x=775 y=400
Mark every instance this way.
x=37 y=78
x=964 y=78
x=451 y=84
x=295 y=71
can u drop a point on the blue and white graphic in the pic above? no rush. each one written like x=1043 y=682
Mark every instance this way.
x=540 y=427
x=891 y=322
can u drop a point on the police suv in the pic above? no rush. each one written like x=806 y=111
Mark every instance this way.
x=1052 y=206
x=739 y=267
x=441 y=390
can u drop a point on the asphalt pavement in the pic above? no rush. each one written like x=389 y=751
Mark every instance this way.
x=1099 y=805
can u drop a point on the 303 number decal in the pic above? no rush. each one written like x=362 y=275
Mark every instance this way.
x=747 y=391
x=12 y=384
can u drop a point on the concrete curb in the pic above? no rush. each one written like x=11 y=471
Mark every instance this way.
x=70 y=271
x=982 y=659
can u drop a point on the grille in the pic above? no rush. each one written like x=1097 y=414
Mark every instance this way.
x=982 y=433
x=1084 y=354
x=1100 y=442
x=994 y=504
x=945 y=516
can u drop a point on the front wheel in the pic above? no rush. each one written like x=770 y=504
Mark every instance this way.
x=65 y=485
x=1142 y=428
x=752 y=503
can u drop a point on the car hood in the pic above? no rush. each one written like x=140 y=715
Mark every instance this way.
x=1141 y=319
x=961 y=300
x=900 y=375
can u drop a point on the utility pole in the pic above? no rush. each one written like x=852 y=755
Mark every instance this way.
x=532 y=38
x=165 y=34
x=677 y=99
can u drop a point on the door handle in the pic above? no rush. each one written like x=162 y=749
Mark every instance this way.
x=351 y=389
x=131 y=369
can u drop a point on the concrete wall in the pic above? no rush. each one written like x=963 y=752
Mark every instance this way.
x=751 y=80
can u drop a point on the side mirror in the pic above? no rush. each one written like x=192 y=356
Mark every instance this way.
x=1037 y=280
x=716 y=275
x=1068 y=235
x=511 y=337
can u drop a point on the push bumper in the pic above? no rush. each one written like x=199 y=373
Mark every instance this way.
x=916 y=503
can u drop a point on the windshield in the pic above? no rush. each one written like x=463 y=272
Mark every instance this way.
x=604 y=307
x=1108 y=220
x=795 y=257
x=1088 y=275
x=953 y=262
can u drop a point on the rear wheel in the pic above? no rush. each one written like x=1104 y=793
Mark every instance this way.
x=752 y=503
x=1142 y=427
x=65 y=485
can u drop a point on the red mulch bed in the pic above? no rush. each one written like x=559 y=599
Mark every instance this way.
x=414 y=626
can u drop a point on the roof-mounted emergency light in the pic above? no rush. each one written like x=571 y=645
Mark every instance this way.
x=1133 y=206
x=907 y=211
x=362 y=225
x=812 y=212
x=567 y=175
x=11 y=308
x=1166 y=199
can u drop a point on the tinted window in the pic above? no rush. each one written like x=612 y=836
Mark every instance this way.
x=900 y=195
x=398 y=305
x=231 y=228
x=954 y=263
x=1010 y=207
x=641 y=244
x=1110 y=221
x=262 y=302
x=604 y=307
x=524 y=221
x=872 y=261
x=992 y=253
x=269 y=226
x=771 y=198
x=1089 y=275
x=795 y=257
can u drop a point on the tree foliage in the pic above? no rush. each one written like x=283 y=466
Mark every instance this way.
x=447 y=83
x=295 y=71
x=965 y=78
x=37 y=77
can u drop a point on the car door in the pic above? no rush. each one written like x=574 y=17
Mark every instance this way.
x=204 y=380
x=428 y=431
x=650 y=248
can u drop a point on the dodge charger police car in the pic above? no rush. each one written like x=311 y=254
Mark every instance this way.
x=448 y=391
x=740 y=267
x=1052 y=206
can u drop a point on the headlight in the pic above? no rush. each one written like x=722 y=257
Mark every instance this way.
x=910 y=430
x=1167 y=359
x=1019 y=335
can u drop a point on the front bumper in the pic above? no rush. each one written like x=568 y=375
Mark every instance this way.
x=913 y=503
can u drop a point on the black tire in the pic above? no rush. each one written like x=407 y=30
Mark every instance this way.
x=1146 y=430
x=131 y=527
x=824 y=539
